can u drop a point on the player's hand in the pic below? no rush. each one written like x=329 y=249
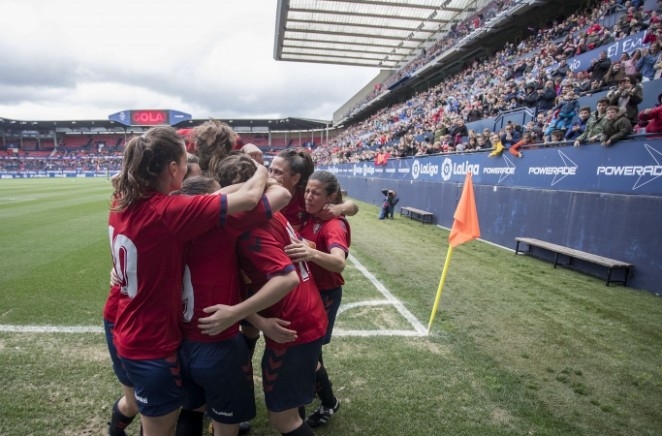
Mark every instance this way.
x=253 y=151
x=276 y=330
x=114 y=278
x=222 y=316
x=329 y=211
x=299 y=251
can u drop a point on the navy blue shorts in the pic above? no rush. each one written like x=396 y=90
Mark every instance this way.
x=288 y=375
x=219 y=374
x=117 y=363
x=157 y=384
x=331 y=299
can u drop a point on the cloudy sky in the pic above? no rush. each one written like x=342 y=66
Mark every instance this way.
x=87 y=59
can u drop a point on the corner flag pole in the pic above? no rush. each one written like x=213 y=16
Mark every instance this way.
x=465 y=228
x=440 y=289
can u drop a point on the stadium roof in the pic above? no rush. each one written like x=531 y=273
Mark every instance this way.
x=383 y=34
x=242 y=125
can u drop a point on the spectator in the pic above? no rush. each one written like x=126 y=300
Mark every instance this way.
x=536 y=133
x=628 y=95
x=614 y=75
x=630 y=65
x=599 y=67
x=556 y=136
x=579 y=126
x=565 y=112
x=617 y=126
x=547 y=96
x=531 y=96
x=526 y=140
x=472 y=144
x=651 y=118
x=481 y=143
x=646 y=65
x=583 y=83
x=561 y=70
x=458 y=131
x=510 y=135
x=497 y=146
x=595 y=124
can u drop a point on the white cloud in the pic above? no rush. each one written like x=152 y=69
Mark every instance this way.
x=76 y=59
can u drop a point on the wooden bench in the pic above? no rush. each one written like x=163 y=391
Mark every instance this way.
x=571 y=253
x=417 y=214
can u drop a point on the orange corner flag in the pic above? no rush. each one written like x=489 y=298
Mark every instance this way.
x=465 y=220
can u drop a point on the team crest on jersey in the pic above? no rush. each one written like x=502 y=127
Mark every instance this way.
x=316 y=227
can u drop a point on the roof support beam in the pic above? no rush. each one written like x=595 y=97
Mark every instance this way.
x=360 y=44
x=370 y=26
x=356 y=35
x=365 y=15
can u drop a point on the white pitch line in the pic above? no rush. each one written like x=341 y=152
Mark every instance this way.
x=50 y=329
x=369 y=333
x=420 y=329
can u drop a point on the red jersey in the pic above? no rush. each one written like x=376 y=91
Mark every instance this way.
x=211 y=274
x=147 y=244
x=295 y=211
x=327 y=235
x=262 y=257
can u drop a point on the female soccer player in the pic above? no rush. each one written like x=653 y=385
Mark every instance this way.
x=216 y=364
x=292 y=168
x=294 y=327
x=148 y=230
x=325 y=247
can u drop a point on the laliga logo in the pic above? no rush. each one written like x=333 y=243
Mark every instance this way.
x=418 y=170
x=446 y=169
x=415 y=169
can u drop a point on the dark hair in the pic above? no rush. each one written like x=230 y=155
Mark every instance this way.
x=213 y=141
x=585 y=108
x=300 y=162
x=145 y=158
x=236 y=168
x=198 y=185
x=330 y=183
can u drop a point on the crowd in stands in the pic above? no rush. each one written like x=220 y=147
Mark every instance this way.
x=456 y=32
x=76 y=164
x=533 y=73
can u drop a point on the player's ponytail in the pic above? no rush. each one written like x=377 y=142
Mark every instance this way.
x=145 y=158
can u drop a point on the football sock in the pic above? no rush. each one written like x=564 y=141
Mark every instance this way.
x=324 y=388
x=118 y=421
x=302 y=430
x=189 y=423
x=302 y=412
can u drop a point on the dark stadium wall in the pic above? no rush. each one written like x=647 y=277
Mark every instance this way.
x=611 y=224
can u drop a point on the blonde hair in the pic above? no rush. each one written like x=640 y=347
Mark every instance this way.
x=213 y=141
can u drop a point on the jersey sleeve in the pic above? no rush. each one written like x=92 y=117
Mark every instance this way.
x=244 y=221
x=191 y=216
x=337 y=234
